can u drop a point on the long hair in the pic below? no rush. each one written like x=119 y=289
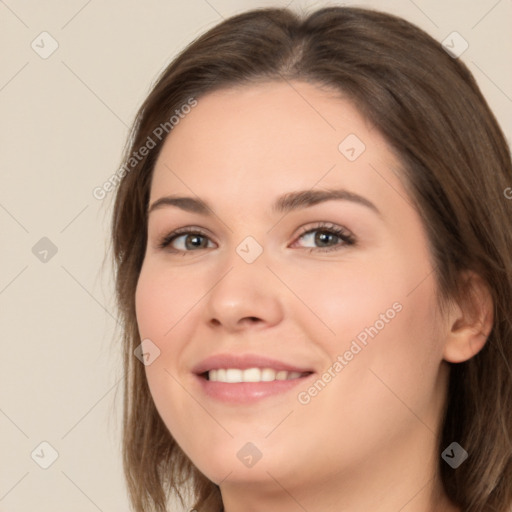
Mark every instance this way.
x=457 y=169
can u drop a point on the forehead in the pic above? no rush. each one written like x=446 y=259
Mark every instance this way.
x=268 y=137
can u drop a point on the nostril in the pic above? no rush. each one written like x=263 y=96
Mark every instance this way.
x=250 y=319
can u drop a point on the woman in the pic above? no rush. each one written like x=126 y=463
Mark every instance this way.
x=312 y=242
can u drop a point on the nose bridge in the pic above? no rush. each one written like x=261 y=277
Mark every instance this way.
x=245 y=290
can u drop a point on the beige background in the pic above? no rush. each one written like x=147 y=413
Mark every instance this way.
x=63 y=121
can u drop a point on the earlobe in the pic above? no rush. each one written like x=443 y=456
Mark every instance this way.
x=470 y=321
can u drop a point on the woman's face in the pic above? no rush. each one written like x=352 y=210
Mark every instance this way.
x=310 y=264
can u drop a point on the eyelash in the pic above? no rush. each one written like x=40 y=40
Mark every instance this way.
x=343 y=234
x=326 y=227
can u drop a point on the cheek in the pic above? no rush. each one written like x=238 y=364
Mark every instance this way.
x=384 y=321
x=414 y=346
x=390 y=360
x=164 y=307
x=387 y=381
x=163 y=300
x=342 y=299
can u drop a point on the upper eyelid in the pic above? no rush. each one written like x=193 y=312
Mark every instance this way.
x=178 y=232
x=327 y=225
x=302 y=230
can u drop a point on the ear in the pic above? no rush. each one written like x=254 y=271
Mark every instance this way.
x=470 y=320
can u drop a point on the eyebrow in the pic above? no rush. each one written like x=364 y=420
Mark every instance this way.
x=284 y=204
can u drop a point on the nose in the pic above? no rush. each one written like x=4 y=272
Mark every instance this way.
x=246 y=297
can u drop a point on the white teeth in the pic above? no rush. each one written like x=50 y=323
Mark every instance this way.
x=234 y=375
x=251 y=375
x=267 y=374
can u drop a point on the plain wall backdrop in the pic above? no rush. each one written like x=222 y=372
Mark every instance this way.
x=64 y=116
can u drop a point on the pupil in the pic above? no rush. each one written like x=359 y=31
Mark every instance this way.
x=322 y=237
x=194 y=239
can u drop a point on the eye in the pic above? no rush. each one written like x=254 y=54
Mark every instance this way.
x=189 y=239
x=327 y=237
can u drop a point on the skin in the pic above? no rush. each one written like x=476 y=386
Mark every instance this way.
x=367 y=440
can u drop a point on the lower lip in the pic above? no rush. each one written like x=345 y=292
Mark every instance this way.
x=248 y=392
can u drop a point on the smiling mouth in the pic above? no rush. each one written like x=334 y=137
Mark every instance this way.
x=236 y=375
x=236 y=386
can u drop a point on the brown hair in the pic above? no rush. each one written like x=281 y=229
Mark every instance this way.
x=456 y=165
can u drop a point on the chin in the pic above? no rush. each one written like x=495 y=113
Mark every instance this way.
x=238 y=461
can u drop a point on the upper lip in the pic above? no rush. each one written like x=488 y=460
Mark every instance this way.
x=245 y=361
